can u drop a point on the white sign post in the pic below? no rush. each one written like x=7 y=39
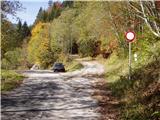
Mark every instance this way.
x=130 y=36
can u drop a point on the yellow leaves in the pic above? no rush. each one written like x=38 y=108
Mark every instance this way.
x=44 y=46
x=38 y=28
x=38 y=47
x=44 y=56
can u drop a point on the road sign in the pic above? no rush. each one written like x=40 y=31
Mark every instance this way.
x=135 y=57
x=130 y=36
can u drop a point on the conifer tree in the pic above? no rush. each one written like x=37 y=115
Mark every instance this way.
x=19 y=33
x=50 y=3
x=19 y=26
x=39 y=15
x=25 y=30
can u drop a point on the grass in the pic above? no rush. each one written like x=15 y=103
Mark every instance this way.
x=10 y=80
x=73 y=65
x=138 y=97
x=114 y=67
x=70 y=62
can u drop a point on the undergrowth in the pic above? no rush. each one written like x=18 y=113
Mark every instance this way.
x=70 y=62
x=10 y=80
x=139 y=97
x=73 y=65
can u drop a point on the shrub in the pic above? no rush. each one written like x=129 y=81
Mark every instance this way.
x=10 y=80
x=12 y=59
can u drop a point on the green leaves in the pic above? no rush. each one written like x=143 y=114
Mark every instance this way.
x=12 y=59
x=10 y=80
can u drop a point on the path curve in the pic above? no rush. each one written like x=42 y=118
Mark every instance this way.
x=45 y=95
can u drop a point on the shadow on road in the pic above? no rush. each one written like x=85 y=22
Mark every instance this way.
x=47 y=96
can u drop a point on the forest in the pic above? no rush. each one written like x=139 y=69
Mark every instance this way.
x=94 y=29
x=84 y=28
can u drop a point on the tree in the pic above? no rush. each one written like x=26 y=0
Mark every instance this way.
x=45 y=57
x=25 y=30
x=50 y=3
x=19 y=26
x=8 y=37
x=147 y=11
x=12 y=59
x=62 y=31
x=55 y=11
x=67 y=4
x=39 y=50
x=39 y=16
x=10 y=7
x=44 y=16
x=19 y=31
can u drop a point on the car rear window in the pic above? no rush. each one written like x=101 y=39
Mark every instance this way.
x=58 y=64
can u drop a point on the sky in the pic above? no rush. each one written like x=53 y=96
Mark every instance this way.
x=30 y=12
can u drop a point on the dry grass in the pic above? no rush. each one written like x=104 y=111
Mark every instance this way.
x=108 y=104
x=139 y=98
x=10 y=80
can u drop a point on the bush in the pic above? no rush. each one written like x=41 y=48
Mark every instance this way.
x=139 y=95
x=39 y=48
x=86 y=48
x=12 y=59
x=73 y=65
x=45 y=57
x=10 y=80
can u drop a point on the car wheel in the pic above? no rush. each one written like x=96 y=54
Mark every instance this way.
x=55 y=70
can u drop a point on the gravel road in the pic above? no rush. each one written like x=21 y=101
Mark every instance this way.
x=45 y=95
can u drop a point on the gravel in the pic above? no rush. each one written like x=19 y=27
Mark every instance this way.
x=45 y=95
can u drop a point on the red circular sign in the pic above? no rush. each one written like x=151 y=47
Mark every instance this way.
x=130 y=36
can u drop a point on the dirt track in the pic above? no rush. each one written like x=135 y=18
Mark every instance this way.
x=45 y=95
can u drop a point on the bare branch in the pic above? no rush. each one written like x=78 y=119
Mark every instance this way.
x=146 y=20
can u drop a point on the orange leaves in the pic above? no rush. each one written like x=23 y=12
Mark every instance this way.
x=113 y=44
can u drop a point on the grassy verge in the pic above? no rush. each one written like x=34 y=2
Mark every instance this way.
x=114 y=67
x=10 y=80
x=70 y=62
x=73 y=65
x=139 y=98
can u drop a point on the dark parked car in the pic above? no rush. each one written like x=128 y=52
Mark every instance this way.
x=58 y=67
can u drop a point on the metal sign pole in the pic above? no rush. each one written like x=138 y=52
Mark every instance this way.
x=130 y=60
x=130 y=36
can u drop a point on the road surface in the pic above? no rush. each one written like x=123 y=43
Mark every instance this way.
x=45 y=95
